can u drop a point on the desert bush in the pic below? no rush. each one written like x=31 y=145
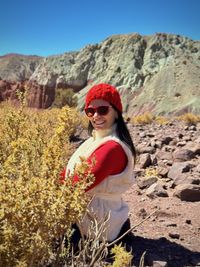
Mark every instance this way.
x=84 y=122
x=35 y=207
x=145 y=118
x=122 y=258
x=151 y=171
x=189 y=118
x=64 y=97
x=161 y=120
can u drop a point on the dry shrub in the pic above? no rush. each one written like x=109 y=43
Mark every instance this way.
x=151 y=171
x=189 y=118
x=92 y=251
x=64 y=97
x=35 y=207
x=145 y=118
x=122 y=258
x=161 y=120
x=84 y=121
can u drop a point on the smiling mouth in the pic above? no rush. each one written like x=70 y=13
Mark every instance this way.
x=99 y=123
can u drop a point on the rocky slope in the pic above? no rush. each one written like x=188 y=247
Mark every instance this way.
x=171 y=236
x=15 y=67
x=15 y=71
x=158 y=73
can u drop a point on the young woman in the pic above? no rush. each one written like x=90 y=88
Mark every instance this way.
x=111 y=146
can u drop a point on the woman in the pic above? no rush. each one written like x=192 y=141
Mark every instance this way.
x=111 y=146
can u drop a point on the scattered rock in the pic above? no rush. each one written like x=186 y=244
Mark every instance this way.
x=145 y=160
x=176 y=221
x=145 y=182
x=188 y=192
x=142 y=213
x=179 y=168
x=183 y=155
x=166 y=140
x=156 y=190
x=163 y=155
x=180 y=179
x=170 y=224
x=145 y=149
x=162 y=171
x=174 y=235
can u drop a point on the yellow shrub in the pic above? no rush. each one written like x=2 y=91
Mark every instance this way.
x=161 y=120
x=151 y=172
x=84 y=122
x=145 y=118
x=122 y=258
x=64 y=97
x=189 y=118
x=35 y=207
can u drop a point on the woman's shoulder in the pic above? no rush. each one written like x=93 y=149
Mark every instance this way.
x=115 y=144
x=112 y=145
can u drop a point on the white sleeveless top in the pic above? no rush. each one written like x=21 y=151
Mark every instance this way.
x=106 y=196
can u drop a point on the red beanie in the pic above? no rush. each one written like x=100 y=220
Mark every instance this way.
x=106 y=92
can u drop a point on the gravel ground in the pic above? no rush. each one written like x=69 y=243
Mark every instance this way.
x=170 y=236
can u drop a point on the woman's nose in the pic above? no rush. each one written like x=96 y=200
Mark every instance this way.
x=95 y=114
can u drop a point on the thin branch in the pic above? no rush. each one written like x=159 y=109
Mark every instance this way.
x=104 y=245
x=142 y=260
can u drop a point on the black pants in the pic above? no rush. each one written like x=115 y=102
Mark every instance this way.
x=76 y=236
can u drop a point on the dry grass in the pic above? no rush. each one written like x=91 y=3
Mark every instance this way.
x=189 y=118
x=142 y=119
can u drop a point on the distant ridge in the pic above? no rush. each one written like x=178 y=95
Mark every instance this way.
x=156 y=73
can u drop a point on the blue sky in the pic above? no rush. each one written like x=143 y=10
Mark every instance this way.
x=49 y=27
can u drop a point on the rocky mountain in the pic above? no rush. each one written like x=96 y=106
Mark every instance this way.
x=16 y=67
x=158 y=73
x=15 y=71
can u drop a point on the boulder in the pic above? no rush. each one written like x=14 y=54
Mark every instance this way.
x=156 y=190
x=178 y=168
x=145 y=160
x=188 y=192
x=183 y=155
x=145 y=182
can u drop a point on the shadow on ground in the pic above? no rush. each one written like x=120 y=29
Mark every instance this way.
x=163 y=250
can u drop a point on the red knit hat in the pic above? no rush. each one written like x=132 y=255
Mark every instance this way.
x=106 y=92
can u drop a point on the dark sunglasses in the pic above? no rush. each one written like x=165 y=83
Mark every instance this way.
x=101 y=110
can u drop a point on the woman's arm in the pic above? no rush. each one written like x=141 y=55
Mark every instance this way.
x=110 y=159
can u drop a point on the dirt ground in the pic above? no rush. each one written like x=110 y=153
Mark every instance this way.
x=171 y=236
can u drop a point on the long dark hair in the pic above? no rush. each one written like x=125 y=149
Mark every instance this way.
x=122 y=132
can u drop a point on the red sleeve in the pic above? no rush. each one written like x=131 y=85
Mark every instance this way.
x=110 y=159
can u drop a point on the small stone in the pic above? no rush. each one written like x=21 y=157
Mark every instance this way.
x=142 y=213
x=145 y=160
x=171 y=224
x=174 y=235
x=146 y=182
x=192 y=128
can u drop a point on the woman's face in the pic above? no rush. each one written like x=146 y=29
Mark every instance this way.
x=102 y=122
